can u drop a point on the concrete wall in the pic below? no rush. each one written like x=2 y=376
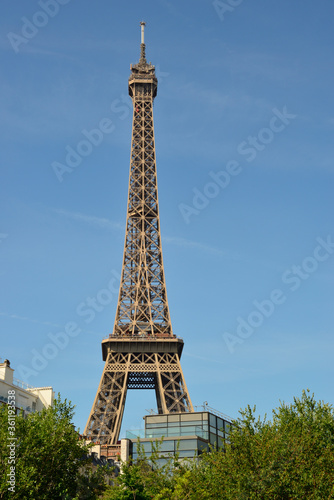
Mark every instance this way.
x=27 y=398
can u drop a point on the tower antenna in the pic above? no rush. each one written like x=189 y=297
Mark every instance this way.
x=142 y=59
x=142 y=24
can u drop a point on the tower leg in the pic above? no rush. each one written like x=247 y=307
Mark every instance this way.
x=173 y=393
x=104 y=422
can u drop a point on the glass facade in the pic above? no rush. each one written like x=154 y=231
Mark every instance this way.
x=187 y=434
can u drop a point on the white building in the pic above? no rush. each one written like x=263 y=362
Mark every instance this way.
x=27 y=398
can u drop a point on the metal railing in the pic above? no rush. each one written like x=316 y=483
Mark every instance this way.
x=206 y=407
x=142 y=337
x=21 y=384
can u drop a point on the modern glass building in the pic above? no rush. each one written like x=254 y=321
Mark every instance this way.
x=187 y=434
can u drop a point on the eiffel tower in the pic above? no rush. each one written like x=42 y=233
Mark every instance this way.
x=142 y=352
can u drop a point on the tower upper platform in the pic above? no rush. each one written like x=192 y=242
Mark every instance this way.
x=143 y=72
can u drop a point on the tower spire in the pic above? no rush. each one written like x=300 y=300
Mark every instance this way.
x=142 y=59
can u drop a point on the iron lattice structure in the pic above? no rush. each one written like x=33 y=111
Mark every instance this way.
x=142 y=352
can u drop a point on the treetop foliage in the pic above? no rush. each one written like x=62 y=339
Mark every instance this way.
x=288 y=457
x=48 y=460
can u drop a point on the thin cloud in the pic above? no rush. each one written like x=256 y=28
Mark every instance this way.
x=210 y=360
x=100 y=222
x=31 y=320
x=46 y=323
x=182 y=242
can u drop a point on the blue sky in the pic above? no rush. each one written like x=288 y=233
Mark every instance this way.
x=244 y=127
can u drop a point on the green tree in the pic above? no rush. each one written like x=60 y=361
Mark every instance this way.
x=289 y=457
x=146 y=478
x=47 y=456
x=92 y=481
